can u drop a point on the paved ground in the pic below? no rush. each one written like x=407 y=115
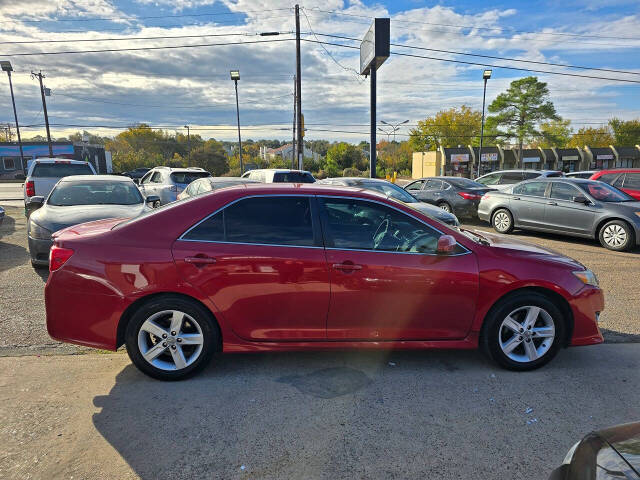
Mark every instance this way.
x=444 y=415
x=10 y=191
x=22 y=316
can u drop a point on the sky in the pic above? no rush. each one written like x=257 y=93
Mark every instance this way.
x=104 y=92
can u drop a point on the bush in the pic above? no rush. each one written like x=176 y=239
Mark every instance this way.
x=351 y=172
x=320 y=174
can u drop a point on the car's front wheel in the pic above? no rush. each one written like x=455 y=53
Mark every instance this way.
x=171 y=338
x=616 y=235
x=524 y=331
x=502 y=221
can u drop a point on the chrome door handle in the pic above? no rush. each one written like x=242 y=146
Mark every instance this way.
x=347 y=267
x=200 y=260
x=552 y=203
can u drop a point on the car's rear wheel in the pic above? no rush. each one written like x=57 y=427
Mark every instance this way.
x=502 y=221
x=524 y=331
x=171 y=338
x=446 y=207
x=616 y=235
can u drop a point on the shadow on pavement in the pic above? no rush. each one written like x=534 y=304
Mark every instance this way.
x=8 y=225
x=612 y=336
x=12 y=255
x=353 y=414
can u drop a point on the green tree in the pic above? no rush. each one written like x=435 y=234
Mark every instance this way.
x=520 y=110
x=555 y=133
x=626 y=133
x=447 y=128
x=212 y=157
x=592 y=137
x=344 y=155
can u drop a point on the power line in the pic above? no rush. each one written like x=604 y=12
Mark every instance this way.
x=567 y=74
x=491 y=56
x=136 y=49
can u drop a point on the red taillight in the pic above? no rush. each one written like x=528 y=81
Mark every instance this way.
x=470 y=196
x=30 y=188
x=58 y=256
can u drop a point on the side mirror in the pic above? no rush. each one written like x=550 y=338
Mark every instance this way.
x=152 y=199
x=581 y=199
x=36 y=201
x=446 y=245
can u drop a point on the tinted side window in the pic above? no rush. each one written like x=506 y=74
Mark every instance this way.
x=563 y=191
x=433 y=185
x=157 y=178
x=293 y=177
x=270 y=220
x=361 y=225
x=608 y=178
x=489 y=179
x=211 y=230
x=509 y=178
x=415 y=186
x=632 y=181
x=532 y=188
x=530 y=175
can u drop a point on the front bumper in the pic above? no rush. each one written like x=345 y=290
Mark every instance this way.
x=39 y=250
x=586 y=307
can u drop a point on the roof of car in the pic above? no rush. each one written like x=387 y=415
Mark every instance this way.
x=99 y=178
x=58 y=160
x=560 y=179
x=618 y=170
x=229 y=179
x=277 y=170
x=351 y=179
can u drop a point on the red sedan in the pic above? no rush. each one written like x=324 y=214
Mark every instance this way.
x=291 y=267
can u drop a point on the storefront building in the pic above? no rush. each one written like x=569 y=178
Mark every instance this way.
x=458 y=162
x=549 y=159
x=532 y=158
x=569 y=160
x=601 y=158
x=627 y=157
x=489 y=162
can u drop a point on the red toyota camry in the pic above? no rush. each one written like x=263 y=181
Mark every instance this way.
x=291 y=267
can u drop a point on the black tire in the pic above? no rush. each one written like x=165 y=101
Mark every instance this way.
x=493 y=333
x=617 y=235
x=445 y=206
x=200 y=317
x=502 y=221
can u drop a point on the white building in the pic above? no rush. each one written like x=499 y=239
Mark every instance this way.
x=286 y=152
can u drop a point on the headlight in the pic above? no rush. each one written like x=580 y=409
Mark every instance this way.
x=36 y=231
x=587 y=277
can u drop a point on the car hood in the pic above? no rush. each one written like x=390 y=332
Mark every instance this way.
x=434 y=212
x=507 y=244
x=55 y=218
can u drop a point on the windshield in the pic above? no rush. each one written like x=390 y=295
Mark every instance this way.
x=464 y=183
x=66 y=194
x=293 y=177
x=390 y=189
x=59 y=170
x=185 y=178
x=605 y=193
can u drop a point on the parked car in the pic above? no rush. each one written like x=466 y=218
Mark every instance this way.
x=79 y=199
x=44 y=173
x=137 y=173
x=625 y=179
x=583 y=174
x=166 y=183
x=610 y=453
x=569 y=206
x=452 y=194
x=396 y=192
x=278 y=175
x=504 y=179
x=293 y=267
x=208 y=184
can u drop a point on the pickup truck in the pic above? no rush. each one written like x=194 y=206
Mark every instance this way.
x=44 y=173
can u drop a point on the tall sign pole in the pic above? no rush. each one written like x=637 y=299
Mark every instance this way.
x=299 y=144
x=374 y=50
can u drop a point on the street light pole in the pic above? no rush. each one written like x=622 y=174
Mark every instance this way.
x=235 y=76
x=188 y=145
x=486 y=75
x=395 y=127
x=6 y=66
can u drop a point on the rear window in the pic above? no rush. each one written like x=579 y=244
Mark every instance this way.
x=554 y=174
x=293 y=177
x=632 y=181
x=59 y=170
x=187 y=177
x=464 y=183
x=68 y=193
x=509 y=178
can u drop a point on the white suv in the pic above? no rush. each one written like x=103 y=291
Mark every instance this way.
x=167 y=183
x=279 y=175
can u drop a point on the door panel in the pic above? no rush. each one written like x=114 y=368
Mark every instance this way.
x=528 y=204
x=263 y=292
x=396 y=296
x=565 y=215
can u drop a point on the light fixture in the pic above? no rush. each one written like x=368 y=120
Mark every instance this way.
x=6 y=66
x=235 y=75
x=486 y=74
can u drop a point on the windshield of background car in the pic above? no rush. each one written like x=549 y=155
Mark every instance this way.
x=293 y=177
x=604 y=192
x=66 y=194
x=184 y=178
x=391 y=190
x=464 y=183
x=59 y=170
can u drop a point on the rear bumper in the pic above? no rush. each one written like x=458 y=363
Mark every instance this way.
x=39 y=250
x=586 y=306
x=467 y=209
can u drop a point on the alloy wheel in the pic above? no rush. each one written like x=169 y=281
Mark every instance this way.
x=501 y=221
x=614 y=235
x=445 y=207
x=170 y=340
x=526 y=334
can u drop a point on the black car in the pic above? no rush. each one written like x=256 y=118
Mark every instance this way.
x=136 y=174
x=456 y=195
x=612 y=453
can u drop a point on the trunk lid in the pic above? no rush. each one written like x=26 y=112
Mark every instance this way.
x=89 y=229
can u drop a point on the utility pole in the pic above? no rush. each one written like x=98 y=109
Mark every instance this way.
x=295 y=119
x=40 y=76
x=6 y=67
x=188 y=145
x=299 y=144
